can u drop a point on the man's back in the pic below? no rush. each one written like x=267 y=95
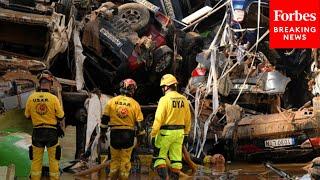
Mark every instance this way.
x=43 y=108
x=123 y=111
x=177 y=108
x=173 y=109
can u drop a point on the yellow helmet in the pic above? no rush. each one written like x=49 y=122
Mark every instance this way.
x=167 y=80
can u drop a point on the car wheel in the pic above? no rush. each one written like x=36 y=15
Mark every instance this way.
x=162 y=58
x=136 y=15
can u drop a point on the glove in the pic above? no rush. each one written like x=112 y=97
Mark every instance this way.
x=103 y=135
x=60 y=132
x=141 y=133
x=141 y=136
x=185 y=139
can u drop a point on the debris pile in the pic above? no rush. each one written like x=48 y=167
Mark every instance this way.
x=248 y=101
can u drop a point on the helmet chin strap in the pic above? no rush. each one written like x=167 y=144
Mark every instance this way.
x=165 y=89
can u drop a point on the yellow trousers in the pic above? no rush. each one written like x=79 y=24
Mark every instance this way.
x=169 y=141
x=120 y=164
x=36 y=165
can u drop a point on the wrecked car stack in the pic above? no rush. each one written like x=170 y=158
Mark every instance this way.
x=243 y=94
x=243 y=70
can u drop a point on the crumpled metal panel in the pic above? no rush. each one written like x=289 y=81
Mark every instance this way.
x=60 y=35
x=15 y=96
x=19 y=75
x=273 y=82
x=22 y=17
x=17 y=101
x=79 y=58
x=10 y=102
x=16 y=63
x=280 y=123
x=267 y=82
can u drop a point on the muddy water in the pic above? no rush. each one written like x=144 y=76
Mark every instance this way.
x=232 y=170
x=241 y=171
x=247 y=171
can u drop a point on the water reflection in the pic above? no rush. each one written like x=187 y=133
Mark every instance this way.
x=234 y=170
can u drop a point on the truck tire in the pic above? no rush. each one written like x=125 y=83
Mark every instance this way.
x=136 y=15
x=162 y=58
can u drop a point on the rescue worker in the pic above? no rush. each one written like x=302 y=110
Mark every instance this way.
x=170 y=128
x=45 y=111
x=122 y=113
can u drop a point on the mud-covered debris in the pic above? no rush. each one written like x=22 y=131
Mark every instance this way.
x=233 y=113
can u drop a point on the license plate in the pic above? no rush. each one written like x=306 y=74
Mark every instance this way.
x=279 y=142
x=242 y=86
x=111 y=37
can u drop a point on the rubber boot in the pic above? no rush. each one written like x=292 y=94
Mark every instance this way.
x=174 y=176
x=174 y=173
x=163 y=173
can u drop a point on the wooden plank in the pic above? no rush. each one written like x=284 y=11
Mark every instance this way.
x=7 y=172
x=93 y=169
x=11 y=172
x=67 y=81
x=3 y=172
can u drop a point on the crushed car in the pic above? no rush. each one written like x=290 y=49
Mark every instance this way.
x=239 y=68
x=32 y=36
x=144 y=40
x=284 y=136
x=122 y=40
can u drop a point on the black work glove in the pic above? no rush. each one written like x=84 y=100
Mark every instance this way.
x=103 y=135
x=185 y=139
x=60 y=131
x=141 y=136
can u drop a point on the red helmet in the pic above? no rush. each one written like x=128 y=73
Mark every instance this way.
x=128 y=86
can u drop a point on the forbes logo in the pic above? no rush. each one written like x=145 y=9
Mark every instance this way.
x=294 y=24
x=279 y=15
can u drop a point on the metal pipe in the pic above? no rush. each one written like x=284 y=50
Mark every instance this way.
x=207 y=15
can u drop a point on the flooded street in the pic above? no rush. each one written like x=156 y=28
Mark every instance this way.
x=201 y=77
x=237 y=170
x=246 y=171
x=232 y=170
